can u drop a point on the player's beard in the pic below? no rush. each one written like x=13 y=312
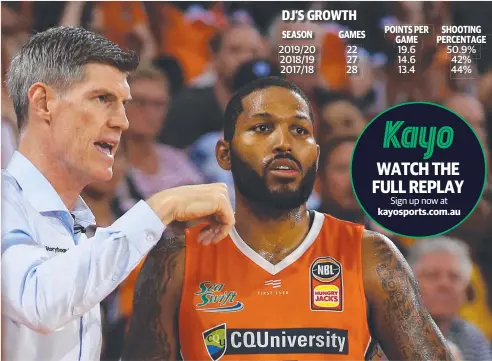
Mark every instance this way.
x=270 y=204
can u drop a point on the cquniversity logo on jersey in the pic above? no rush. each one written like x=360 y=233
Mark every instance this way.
x=220 y=341
x=215 y=341
x=213 y=298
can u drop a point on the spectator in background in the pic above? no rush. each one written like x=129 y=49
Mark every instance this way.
x=307 y=82
x=455 y=351
x=443 y=268
x=127 y=24
x=123 y=22
x=339 y=116
x=485 y=96
x=476 y=230
x=198 y=111
x=153 y=166
x=473 y=111
x=337 y=196
x=184 y=30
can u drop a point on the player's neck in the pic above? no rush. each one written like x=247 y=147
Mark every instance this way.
x=272 y=237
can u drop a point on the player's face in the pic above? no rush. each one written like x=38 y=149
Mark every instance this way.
x=273 y=153
x=87 y=121
x=441 y=284
x=336 y=184
x=148 y=107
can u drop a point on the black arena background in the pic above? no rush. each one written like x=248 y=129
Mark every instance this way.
x=465 y=149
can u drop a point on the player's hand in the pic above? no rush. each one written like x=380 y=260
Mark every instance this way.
x=209 y=203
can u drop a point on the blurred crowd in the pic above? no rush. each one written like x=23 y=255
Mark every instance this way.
x=194 y=55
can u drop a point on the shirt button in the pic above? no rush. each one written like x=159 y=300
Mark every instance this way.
x=114 y=278
x=150 y=237
x=76 y=311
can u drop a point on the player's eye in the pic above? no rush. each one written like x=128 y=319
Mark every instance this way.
x=262 y=128
x=300 y=131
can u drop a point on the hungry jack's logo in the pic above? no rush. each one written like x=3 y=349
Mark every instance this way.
x=326 y=285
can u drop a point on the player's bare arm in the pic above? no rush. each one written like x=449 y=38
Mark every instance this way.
x=374 y=352
x=153 y=333
x=398 y=319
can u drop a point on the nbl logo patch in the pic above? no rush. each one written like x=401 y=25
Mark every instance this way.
x=326 y=285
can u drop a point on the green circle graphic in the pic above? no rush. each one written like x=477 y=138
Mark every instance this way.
x=397 y=106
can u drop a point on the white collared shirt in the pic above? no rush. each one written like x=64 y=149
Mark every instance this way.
x=53 y=279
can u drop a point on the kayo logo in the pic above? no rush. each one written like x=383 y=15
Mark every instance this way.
x=213 y=298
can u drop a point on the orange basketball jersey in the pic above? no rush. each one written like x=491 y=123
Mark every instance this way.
x=235 y=305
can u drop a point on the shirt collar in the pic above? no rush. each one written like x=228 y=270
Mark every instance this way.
x=41 y=194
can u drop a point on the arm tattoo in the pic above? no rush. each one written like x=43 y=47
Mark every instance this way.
x=415 y=333
x=374 y=352
x=148 y=339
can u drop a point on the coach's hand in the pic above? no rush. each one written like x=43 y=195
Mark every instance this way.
x=208 y=202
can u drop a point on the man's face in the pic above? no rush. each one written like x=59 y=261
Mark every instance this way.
x=87 y=121
x=340 y=118
x=336 y=185
x=239 y=45
x=148 y=107
x=273 y=153
x=441 y=284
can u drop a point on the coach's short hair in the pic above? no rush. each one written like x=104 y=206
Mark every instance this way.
x=57 y=58
x=235 y=106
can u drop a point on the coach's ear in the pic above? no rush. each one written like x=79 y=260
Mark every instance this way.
x=39 y=96
x=223 y=154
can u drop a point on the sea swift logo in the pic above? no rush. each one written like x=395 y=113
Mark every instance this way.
x=213 y=298
x=220 y=341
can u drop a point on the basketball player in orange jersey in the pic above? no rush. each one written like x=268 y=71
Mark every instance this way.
x=287 y=283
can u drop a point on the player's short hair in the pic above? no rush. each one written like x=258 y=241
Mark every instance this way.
x=235 y=106
x=57 y=58
x=328 y=147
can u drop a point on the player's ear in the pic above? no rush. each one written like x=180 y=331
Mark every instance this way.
x=317 y=157
x=223 y=154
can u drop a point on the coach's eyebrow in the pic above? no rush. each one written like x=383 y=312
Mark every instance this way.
x=104 y=91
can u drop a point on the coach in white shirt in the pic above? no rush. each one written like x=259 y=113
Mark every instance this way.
x=69 y=87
